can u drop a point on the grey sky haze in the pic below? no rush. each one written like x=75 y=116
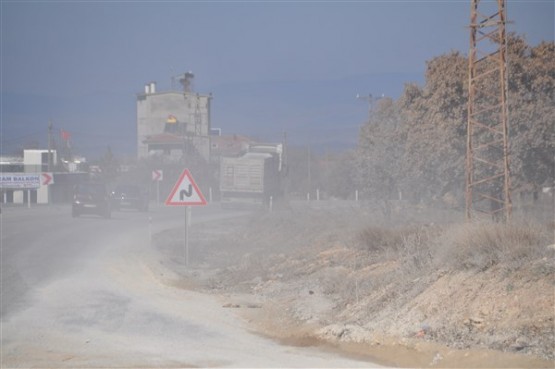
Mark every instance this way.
x=271 y=66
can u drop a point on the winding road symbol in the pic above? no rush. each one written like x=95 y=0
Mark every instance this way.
x=185 y=192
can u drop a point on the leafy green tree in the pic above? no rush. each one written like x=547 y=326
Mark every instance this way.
x=434 y=125
x=418 y=143
x=531 y=99
x=109 y=166
x=339 y=173
x=302 y=171
x=379 y=152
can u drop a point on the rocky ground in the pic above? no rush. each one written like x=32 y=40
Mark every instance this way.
x=387 y=289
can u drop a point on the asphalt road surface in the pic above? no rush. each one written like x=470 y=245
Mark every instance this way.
x=82 y=293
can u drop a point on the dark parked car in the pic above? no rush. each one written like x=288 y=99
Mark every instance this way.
x=129 y=196
x=91 y=198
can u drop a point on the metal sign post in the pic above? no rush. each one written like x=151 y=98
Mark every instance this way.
x=188 y=211
x=186 y=235
x=186 y=193
x=158 y=176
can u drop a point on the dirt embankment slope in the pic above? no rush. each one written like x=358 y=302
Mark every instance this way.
x=413 y=293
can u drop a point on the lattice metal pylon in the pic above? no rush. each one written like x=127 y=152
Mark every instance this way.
x=487 y=157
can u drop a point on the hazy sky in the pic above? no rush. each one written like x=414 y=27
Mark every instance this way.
x=276 y=66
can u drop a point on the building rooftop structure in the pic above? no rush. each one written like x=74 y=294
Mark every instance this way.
x=173 y=123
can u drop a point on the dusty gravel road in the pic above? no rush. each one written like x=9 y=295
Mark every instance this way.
x=88 y=292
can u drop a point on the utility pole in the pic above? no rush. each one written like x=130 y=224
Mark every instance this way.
x=49 y=157
x=309 y=171
x=371 y=100
x=487 y=154
x=50 y=146
x=284 y=153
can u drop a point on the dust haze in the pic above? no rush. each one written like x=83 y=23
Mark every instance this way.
x=421 y=235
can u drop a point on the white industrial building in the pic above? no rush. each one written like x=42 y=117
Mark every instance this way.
x=173 y=123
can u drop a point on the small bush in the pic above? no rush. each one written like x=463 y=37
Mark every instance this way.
x=377 y=239
x=417 y=251
x=467 y=246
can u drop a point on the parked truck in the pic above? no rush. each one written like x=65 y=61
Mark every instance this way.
x=251 y=180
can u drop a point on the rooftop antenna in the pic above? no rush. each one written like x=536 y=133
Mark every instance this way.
x=186 y=81
x=172 y=79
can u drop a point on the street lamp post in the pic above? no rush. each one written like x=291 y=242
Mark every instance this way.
x=371 y=100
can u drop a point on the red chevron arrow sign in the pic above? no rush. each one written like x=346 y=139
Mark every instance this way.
x=157 y=175
x=46 y=179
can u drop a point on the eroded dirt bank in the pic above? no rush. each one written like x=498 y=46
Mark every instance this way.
x=411 y=292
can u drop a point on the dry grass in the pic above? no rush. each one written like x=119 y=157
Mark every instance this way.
x=468 y=246
x=374 y=275
x=481 y=246
x=380 y=240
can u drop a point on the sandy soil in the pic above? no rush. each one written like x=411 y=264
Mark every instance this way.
x=296 y=275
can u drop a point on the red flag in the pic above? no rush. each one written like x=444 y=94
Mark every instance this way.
x=65 y=135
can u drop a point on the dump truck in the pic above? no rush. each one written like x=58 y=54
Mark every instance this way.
x=251 y=180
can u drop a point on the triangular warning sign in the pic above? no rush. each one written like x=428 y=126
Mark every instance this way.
x=185 y=192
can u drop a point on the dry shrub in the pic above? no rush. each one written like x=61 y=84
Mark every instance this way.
x=479 y=246
x=378 y=239
x=416 y=253
x=411 y=246
x=468 y=246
